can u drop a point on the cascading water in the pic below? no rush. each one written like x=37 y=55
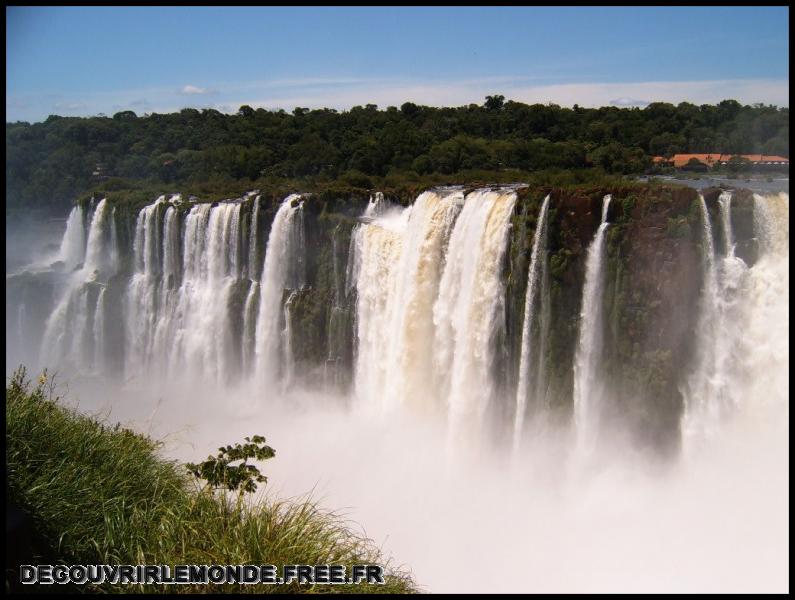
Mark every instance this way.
x=203 y=327
x=73 y=244
x=742 y=311
x=100 y=332
x=422 y=297
x=469 y=304
x=253 y=255
x=377 y=206
x=339 y=316
x=250 y=308
x=538 y=255
x=766 y=373
x=725 y=204
x=422 y=300
x=400 y=255
x=187 y=271
x=429 y=294
x=587 y=384
x=98 y=251
x=282 y=268
x=704 y=396
x=141 y=299
x=68 y=336
x=288 y=359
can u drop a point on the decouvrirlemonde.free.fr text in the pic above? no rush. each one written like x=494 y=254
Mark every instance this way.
x=201 y=574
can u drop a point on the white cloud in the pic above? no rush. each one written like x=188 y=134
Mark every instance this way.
x=192 y=90
x=457 y=93
x=70 y=106
x=343 y=93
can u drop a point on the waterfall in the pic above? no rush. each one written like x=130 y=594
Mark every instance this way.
x=97 y=251
x=203 y=328
x=99 y=333
x=587 y=392
x=253 y=256
x=702 y=397
x=288 y=360
x=69 y=331
x=396 y=261
x=537 y=256
x=141 y=298
x=377 y=206
x=469 y=304
x=337 y=350
x=421 y=290
x=725 y=203
x=279 y=270
x=73 y=243
x=376 y=249
x=767 y=329
x=115 y=251
x=178 y=300
x=167 y=290
x=249 y=330
x=741 y=349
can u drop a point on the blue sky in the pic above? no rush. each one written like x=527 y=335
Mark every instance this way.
x=88 y=60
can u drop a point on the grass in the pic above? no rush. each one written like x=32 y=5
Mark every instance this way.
x=101 y=494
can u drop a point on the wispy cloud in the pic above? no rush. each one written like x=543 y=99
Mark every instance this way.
x=456 y=93
x=193 y=90
x=70 y=106
x=343 y=93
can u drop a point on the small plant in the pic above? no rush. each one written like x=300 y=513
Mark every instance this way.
x=219 y=473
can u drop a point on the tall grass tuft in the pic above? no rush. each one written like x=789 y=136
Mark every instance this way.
x=101 y=494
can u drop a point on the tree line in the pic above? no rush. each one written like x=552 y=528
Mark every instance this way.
x=52 y=162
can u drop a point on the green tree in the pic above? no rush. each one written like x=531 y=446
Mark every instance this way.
x=218 y=471
x=496 y=102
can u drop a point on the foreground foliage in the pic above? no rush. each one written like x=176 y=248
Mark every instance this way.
x=219 y=472
x=101 y=495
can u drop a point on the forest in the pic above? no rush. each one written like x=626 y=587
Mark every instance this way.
x=52 y=163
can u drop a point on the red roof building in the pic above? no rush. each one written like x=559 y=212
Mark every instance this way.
x=680 y=160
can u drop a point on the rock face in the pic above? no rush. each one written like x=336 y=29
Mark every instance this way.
x=651 y=291
x=652 y=281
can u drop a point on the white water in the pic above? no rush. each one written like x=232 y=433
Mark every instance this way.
x=68 y=335
x=97 y=255
x=399 y=258
x=715 y=521
x=744 y=326
x=377 y=206
x=249 y=331
x=537 y=256
x=725 y=204
x=588 y=390
x=280 y=258
x=141 y=300
x=73 y=244
x=99 y=332
x=253 y=262
x=429 y=295
x=468 y=310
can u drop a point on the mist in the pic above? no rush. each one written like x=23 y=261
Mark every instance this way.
x=478 y=519
x=415 y=452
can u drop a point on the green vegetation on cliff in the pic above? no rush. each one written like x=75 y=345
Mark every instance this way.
x=98 y=494
x=50 y=164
